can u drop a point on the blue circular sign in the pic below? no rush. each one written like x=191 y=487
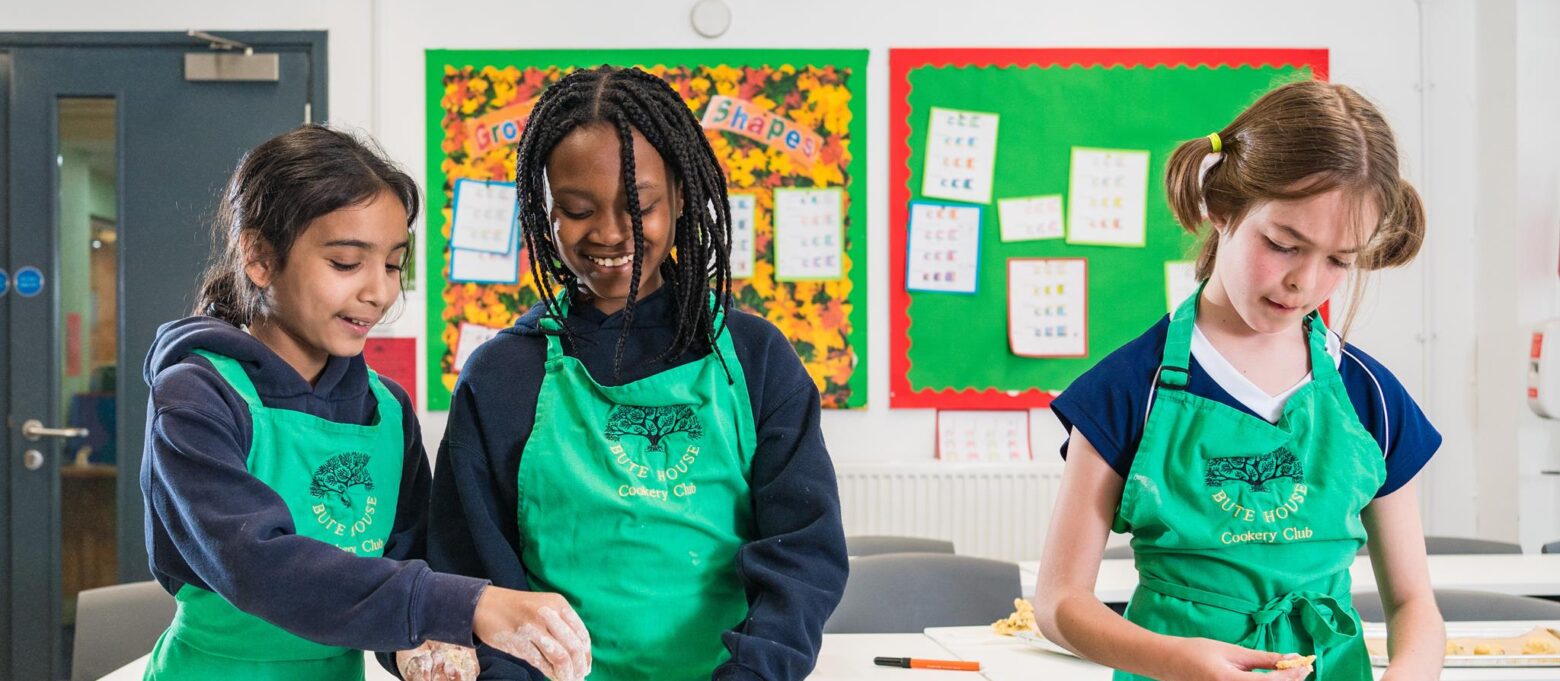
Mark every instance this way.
x=5 y=282
x=29 y=282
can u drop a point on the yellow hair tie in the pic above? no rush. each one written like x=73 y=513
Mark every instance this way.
x=1217 y=144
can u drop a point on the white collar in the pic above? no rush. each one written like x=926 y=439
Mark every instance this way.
x=1270 y=407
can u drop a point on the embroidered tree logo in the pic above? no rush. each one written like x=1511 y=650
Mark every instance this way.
x=1256 y=471
x=652 y=423
x=340 y=474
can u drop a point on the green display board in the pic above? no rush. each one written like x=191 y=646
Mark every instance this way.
x=951 y=350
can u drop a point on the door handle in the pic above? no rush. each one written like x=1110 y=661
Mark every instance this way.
x=32 y=429
x=1549 y=472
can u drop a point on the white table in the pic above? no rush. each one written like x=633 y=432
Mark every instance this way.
x=848 y=657
x=1008 y=659
x=1521 y=575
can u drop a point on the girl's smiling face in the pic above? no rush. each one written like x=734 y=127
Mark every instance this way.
x=591 y=225
x=340 y=277
x=1285 y=257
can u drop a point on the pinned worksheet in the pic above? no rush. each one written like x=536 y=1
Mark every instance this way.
x=944 y=248
x=1031 y=218
x=1047 y=307
x=1180 y=282
x=983 y=436
x=961 y=155
x=480 y=267
x=1107 y=197
x=809 y=234
x=471 y=336
x=744 y=209
x=485 y=215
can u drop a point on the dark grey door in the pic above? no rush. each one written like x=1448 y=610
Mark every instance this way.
x=111 y=165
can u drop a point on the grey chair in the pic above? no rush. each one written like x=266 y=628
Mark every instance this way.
x=117 y=624
x=906 y=592
x=1463 y=545
x=876 y=545
x=1436 y=545
x=1458 y=605
x=1551 y=547
x=1117 y=552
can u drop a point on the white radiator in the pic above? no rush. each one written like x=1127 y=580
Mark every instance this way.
x=996 y=511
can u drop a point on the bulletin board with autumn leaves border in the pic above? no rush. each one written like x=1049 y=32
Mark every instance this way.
x=820 y=90
x=952 y=351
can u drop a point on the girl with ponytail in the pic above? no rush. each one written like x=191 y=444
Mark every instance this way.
x=1248 y=450
x=286 y=483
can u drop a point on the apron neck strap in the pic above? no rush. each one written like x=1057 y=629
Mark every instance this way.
x=552 y=328
x=233 y=372
x=1175 y=366
x=1316 y=337
x=388 y=406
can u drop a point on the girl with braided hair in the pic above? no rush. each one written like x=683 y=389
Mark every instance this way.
x=633 y=443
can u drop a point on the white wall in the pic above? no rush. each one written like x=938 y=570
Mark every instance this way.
x=1537 y=213
x=1448 y=151
x=1421 y=62
x=1498 y=385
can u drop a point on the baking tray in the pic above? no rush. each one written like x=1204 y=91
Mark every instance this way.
x=1376 y=635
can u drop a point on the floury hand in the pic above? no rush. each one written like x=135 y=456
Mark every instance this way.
x=539 y=628
x=435 y=661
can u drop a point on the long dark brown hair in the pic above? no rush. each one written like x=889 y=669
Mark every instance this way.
x=277 y=189
x=1297 y=141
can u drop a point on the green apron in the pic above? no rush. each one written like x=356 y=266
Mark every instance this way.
x=341 y=481
x=1244 y=530
x=633 y=502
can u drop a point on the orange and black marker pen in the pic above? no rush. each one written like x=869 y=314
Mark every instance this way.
x=918 y=663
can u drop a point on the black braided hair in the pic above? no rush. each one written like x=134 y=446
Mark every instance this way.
x=629 y=100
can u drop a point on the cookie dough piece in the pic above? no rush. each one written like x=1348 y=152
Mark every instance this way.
x=1022 y=619
x=1539 y=646
x=1292 y=662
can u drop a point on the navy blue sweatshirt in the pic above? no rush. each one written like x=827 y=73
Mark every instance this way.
x=794 y=570
x=211 y=524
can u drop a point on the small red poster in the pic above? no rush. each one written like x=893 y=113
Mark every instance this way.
x=395 y=358
x=73 y=344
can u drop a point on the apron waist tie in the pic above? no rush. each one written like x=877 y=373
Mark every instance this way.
x=1327 y=621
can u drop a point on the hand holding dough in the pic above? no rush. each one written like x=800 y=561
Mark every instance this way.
x=1296 y=661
